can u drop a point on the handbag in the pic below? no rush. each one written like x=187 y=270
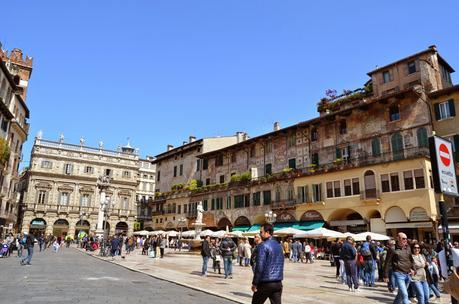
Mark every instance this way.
x=452 y=285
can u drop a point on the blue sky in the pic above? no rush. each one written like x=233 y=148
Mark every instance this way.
x=159 y=71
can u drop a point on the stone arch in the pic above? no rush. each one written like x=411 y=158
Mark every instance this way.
x=419 y=214
x=60 y=227
x=121 y=227
x=374 y=214
x=369 y=184
x=344 y=214
x=37 y=226
x=170 y=226
x=311 y=215
x=395 y=215
x=242 y=221
x=223 y=222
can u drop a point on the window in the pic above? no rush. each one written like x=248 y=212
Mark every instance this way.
x=397 y=146
x=315 y=158
x=387 y=76
x=411 y=67
x=408 y=180
x=175 y=171
x=268 y=169
x=278 y=195
x=314 y=134
x=337 y=188
x=185 y=208
x=108 y=172
x=233 y=157
x=126 y=174
x=355 y=186
x=4 y=125
x=219 y=203
x=329 y=189
x=291 y=140
x=204 y=205
x=317 y=192
x=394 y=182
x=266 y=197
x=269 y=147
x=302 y=194
x=125 y=203
x=292 y=163
x=370 y=184
x=222 y=179
x=198 y=165
x=68 y=168
x=347 y=187
x=228 y=202
x=181 y=169
x=85 y=200
x=252 y=151
x=445 y=109
x=46 y=164
x=88 y=170
x=238 y=201
x=256 y=198
x=207 y=181
x=422 y=137
x=219 y=160
x=158 y=176
x=42 y=197
x=419 y=179
x=64 y=198
x=179 y=207
x=394 y=112
x=376 y=147
x=385 y=185
x=342 y=127
x=205 y=164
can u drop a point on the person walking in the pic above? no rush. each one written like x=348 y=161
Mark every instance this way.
x=216 y=256
x=349 y=257
x=29 y=244
x=368 y=251
x=419 y=278
x=240 y=252
x=335 y=249
x=400 y=261
x=247 y=252
x=253 y=257
x=269 y=269
x=205 y=253
x=296 y=247
x=227 y=247
x=162 y=246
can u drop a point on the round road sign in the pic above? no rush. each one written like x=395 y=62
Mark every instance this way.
x=445 y=156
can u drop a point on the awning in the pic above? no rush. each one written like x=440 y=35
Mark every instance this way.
x=241 y=228
x=255 y=228
x=305 y=226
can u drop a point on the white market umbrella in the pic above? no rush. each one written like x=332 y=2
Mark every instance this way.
x=237 y=234
x=157 y=232
x=219 y=234
x=189 y=234
x=319 y=233
x=374 y=236
x=143 y=232
x=206 y=232
x=172 y=233
x=344 y=236
x=288 y=231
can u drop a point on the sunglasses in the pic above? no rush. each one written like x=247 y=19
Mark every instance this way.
x=417 y=247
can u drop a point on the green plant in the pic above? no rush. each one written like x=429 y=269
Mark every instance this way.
x=246 y=177
x=192 y=185
x=235 y=178
x=4 y=152
x=287 y=170
x=177 y=187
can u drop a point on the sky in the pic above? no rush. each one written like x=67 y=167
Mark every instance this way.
x=159 y=71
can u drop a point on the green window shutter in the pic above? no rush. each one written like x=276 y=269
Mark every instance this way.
x=320 y=192
x=422 y=137
x=376 y=147
x=452 y=109
x=314 y=195
x=437 y=111
x=349 y=151
x=338 y=153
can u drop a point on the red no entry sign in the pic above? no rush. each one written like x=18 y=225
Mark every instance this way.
x=445 y=156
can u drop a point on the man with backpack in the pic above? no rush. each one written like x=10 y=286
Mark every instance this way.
x=28 y=244
x=368 y=251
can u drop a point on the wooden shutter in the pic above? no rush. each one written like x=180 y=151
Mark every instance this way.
x=437 y=111
x=452 y=109
x=338 y=153
x=306 y=194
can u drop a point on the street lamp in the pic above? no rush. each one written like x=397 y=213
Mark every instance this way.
x=270 y=217
x=181 y=222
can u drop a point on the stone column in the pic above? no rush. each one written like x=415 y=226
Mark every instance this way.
x=100 y=216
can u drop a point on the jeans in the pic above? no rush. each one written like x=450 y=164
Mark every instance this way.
x=28 y=259
x=205 y=261
x=402 y=281
x=20 y=251
x=422 y=291
x=295 y=256
x=271 y=290
x=351 y=273
x=435 y=290
x=369 y=272
x=228 y=266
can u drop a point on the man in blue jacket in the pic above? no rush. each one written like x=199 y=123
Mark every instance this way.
x=269 y=269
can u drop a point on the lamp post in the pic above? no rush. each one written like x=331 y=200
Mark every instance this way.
x=270 y=217
x=181 y=222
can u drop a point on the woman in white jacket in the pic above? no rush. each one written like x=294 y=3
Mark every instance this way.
x=247 y=253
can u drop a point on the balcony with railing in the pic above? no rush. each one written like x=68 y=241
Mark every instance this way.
x=370 y=196
x=283 y=204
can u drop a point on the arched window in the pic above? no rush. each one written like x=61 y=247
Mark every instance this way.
x=422 y=138
x=370 y=184
x=397 y=146
x=376 y=146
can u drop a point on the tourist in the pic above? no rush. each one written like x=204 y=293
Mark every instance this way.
x=227 y=247
x=434 y=275
x=240 y=252
x=400 y=261
x=335 y=249
x=28 y=244
x=216 y=256
x=19 y=245
x=206 y=254
x=368 y=252
x=286 y=247
x=253 y=257
x=296 y=248
x=312 y=253
x=269 y=269
x=162 y=246
x=419 y=278
x=307 y=252
x=247 y=252
x=349 y=257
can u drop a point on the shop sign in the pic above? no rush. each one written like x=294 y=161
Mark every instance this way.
x=418 y=215
x=38 y=223
x=311 y=216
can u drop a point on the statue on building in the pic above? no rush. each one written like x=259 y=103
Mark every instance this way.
x=40 y=134
x=101 y=145
x=61 y=138
x=200 y=211
x=82 y=141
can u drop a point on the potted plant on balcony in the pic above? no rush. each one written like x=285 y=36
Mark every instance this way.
x=312 y=168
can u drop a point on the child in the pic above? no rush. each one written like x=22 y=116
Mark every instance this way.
x=435 y=275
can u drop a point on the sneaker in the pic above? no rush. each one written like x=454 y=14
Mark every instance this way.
x=231 y=277
x=28 y=264
x=350 y=289
x=357 y=290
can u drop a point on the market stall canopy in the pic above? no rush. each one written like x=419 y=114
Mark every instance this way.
x=172 y=233
x=374 y=236
x=143 y=232
x=219 y=234
x=189 y=234
x=206 y=232
x=319 y=233
x=287 y=231
x=237 y=234
x=157 y=232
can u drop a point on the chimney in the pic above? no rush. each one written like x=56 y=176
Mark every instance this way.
x=191 y=138
x=276 y=126
x=184 y=142
x=241 y=136
x=170 y=147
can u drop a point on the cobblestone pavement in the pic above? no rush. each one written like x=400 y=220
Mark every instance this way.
x=73 y=277
x=303 y=283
